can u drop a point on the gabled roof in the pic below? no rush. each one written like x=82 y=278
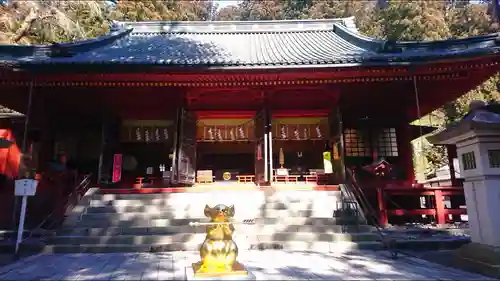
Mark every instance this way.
x=289 y=43
x=486 y=118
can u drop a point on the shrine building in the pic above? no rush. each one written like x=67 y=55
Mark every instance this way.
x=183 y=103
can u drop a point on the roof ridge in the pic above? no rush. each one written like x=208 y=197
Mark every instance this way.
x=237 y=26
x=358 y=39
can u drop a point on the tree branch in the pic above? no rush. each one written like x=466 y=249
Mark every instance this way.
x=25 y=26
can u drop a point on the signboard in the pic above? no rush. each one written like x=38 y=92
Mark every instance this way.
x=204 y=176
x=25 y=187
x=117 y=167
x=282 y=172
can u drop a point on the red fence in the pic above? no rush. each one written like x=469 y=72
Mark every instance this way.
x=437 y=205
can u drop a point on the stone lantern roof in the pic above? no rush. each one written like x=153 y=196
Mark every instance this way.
x=482 y=119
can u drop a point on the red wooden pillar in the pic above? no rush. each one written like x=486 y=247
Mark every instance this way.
x=382 y=206
x=46 y=147
x=440 y=215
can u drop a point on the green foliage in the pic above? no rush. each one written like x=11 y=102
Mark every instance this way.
x=435 y=157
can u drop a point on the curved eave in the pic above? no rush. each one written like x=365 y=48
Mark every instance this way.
x=67 y=48
x=382 y=61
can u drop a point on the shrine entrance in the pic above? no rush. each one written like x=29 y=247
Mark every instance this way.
x=264 y=148
x=225 y=150
x=145 y=149
x=298 y=145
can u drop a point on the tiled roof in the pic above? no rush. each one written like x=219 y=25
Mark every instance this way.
x=486 y=117
x=240 y=44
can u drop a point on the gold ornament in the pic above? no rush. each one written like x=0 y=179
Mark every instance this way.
x=219 y=251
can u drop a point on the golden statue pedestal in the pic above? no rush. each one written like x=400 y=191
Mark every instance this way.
x=218 y=252
x=239 y=272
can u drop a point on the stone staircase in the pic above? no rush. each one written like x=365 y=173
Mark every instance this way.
x=291 y=220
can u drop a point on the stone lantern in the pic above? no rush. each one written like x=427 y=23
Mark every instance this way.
x=477 y=138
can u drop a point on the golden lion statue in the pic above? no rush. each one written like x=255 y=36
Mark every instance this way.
x=218 y=252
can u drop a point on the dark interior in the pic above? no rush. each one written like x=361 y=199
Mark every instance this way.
x=146 y=155
x=235 y=158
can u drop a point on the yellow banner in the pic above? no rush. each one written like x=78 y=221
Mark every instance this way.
x=327 y=155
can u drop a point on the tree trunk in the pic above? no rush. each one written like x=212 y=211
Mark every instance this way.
x=25 y=27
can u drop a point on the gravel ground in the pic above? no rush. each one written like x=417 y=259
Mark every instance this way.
x=426 y=231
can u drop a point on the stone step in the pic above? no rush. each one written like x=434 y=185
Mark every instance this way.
x=245 y=214
x=194 y=200
x=166 y=209
x=293 y=195
x=198 y=238
x=187 y=210
x=413 y=245
x=140 y=222
x=285 y=245
x=174 y=204
x=239 y=229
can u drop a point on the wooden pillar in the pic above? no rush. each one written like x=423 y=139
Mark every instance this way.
x=46 y=146
x=440 y=210
x=382 y=206
x=405 y=150
x=451 y=151
x=100 y=165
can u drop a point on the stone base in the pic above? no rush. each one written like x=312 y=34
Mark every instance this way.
x=479 y=258
x=239 y=273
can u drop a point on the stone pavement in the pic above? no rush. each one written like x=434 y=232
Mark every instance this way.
x=266 y=265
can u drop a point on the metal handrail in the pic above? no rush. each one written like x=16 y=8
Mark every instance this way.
x=368 y=210
x=80 y=189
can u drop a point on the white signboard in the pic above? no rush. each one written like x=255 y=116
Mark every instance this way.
x=282 y=172
x=25 y=187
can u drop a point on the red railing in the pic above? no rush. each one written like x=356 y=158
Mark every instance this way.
x=437 y=208
x=385 y=190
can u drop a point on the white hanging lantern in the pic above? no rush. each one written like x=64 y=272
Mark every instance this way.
x=147 y=137
x=138 y=135
x=283 y=132
x=241 y=132
x=165 y=133
x=157 y=134
x=296 y=133
x=318 y=132
x=210 y=134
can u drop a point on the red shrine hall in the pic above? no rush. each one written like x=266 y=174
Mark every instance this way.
x=292 y=103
